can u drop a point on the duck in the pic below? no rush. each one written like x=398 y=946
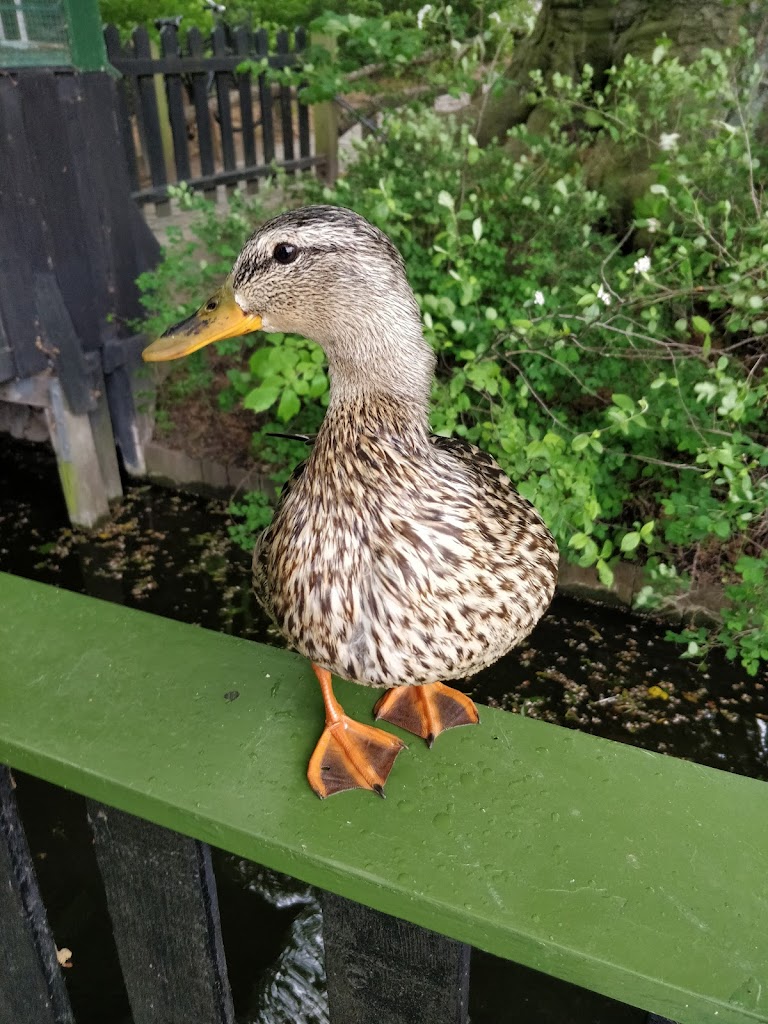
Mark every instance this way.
x=396 y=558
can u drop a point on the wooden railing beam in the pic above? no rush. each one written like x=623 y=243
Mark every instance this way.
x=633 y=874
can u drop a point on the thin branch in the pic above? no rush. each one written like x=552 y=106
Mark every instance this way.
x=611 y=451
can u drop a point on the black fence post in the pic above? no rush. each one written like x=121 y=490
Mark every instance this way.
x=382 y=969
x=162 y=900
x=32 y=989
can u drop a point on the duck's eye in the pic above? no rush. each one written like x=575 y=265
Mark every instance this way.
x=285 y=253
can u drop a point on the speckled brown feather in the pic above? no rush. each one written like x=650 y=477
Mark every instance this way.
x=394 y=558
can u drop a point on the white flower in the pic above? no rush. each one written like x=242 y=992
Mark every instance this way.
x=422 y=15
x=495 y=16
x=604 y=296
x=538 y=298
x=652 y=225
x=668 y=141
x=641 y=265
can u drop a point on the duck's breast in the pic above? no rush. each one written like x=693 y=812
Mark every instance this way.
x=398 y=569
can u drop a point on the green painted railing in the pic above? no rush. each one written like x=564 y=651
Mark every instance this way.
x=636 y=875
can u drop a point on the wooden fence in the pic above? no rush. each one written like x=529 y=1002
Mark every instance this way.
x=632 y=874
x=187 y=115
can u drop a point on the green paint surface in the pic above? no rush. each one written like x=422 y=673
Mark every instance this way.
x=86 y=38
x=637 y=875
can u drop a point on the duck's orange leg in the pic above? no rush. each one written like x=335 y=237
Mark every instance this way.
x=427 y=710
x=349 y=755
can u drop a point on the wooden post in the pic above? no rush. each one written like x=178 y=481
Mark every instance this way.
x=326 y=122
x=162 y=900
x=31 y=985
x=382 y=969
x=77 y=459
x=104 y=442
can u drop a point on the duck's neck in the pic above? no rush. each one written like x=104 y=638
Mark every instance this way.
x=382 y=381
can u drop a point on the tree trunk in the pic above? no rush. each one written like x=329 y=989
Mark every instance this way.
x=572 y=33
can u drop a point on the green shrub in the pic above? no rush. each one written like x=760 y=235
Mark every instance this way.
x=619 y=377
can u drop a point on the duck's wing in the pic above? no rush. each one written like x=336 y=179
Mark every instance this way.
x=474 y=460
x=517 y=522
x=261 y=548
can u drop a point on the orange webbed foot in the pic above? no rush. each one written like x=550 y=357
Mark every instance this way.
x=349 y=755
x=426 y=710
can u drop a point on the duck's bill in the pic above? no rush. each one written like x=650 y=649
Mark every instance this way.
x=220 y=317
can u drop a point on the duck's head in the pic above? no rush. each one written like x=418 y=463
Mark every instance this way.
x=325 y=273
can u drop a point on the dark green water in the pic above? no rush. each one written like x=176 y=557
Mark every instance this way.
x=584 y=667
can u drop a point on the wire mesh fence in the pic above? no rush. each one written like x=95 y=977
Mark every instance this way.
x=33 y=33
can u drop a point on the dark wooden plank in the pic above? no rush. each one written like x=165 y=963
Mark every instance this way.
x=20 y=223
x=202 y=111
x=113 y=43
x=244 y=45
x=119 y=351
x=75 y=206
x=382 y=969
x=73 y=241
x=150 y=195
x=162 y=899
x=7 y=364
x=116 y=224
x=32 y=989
x=126 y=103
x=305 y=145
x=122 y=410
x=286 y=103
x=61 y=340
x=169 y=42
x=149 y=115
x=223 y=80
x=265 y=100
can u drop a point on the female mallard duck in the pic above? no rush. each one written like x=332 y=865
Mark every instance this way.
x=395 y=558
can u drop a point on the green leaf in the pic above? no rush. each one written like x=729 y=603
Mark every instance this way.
x=629 y=542
x=659 y=53
x=594 y=119
x=623 y=402
x=578 y=541
x=646 y=530
x=580 y=442
x=261 y=398
x=289 y=405
x=701 y=325
x=604 y=573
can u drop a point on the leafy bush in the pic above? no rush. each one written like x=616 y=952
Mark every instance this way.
x=619 y=376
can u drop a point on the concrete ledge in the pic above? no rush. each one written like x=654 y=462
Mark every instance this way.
x=190 y=473
x=700 y=606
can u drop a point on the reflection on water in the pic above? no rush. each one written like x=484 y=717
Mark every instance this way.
x=584 y=667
